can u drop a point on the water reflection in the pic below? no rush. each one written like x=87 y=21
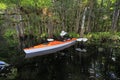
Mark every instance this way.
x=98 y=63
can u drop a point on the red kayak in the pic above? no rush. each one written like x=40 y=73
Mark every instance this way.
x=48 y=48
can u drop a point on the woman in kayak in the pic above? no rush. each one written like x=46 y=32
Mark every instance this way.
x=64 y=36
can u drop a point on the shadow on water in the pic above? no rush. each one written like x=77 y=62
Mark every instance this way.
x=98 y=63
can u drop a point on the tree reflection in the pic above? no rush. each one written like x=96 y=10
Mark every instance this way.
x=95 y=64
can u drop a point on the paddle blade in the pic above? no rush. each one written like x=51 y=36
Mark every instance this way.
x=81 y=50
x=82 y=39
x=50 y=39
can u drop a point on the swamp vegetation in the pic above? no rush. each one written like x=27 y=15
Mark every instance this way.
x=24 y=23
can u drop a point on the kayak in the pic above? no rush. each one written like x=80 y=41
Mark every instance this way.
x=51 y=47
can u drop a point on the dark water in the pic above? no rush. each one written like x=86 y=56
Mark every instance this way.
x=98 y=63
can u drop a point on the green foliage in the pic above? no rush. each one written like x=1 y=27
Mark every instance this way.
x=43 y=35
x=44 y=3
x=3 y=6
x=105 y=2
x=28 y=3
x=13 y=74
x=72 y=34
x=103 y=37
x=115 y=37
x=117 y=33
x=36 y=3
x=9 y=33
x=11 y=40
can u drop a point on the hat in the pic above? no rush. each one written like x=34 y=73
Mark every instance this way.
x=63 y=33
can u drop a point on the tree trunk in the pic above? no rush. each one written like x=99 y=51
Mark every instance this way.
x=78 y=17
x=50 y=28
x=115 y=19
x=77 y=21
x=115 y=16
x=83 y=22
x=89 y=18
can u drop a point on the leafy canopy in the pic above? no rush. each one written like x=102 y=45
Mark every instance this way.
x=36 y=3
x=25 y=3
x=3 y=6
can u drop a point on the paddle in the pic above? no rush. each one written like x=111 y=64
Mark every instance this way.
x=81 y=50
x=50 y=39
x=82 y=39
x=81 y=47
